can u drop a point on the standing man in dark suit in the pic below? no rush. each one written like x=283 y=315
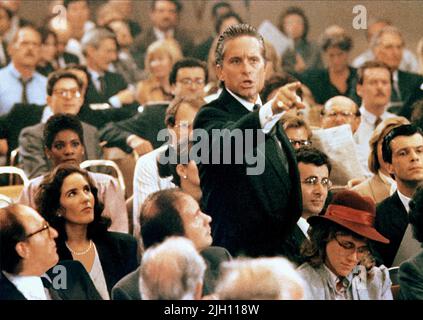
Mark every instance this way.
x=402 y=150
x=253 y=212
x=164 y=16
x=169 y=213
x=314 y=167
x=28 y=251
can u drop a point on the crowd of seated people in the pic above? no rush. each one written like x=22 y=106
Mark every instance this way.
x=99 y=86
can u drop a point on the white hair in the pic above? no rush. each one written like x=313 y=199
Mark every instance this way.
x=171 y=270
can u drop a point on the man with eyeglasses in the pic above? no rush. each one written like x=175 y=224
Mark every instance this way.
x=314 y=167
x=29 y=257
x=297 y=131
x=63 y=96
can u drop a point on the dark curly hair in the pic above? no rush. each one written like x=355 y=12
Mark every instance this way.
x=47 y=200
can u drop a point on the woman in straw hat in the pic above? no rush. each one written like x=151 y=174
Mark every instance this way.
x=339 y=265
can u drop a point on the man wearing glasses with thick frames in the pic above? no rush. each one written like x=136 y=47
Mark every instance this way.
x=28 y=252
x=314 y=167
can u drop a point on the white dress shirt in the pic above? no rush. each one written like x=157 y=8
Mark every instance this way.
x=31 y=287
x=303 y=225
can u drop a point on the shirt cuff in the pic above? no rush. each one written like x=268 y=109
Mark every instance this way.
x=267 y=118
x=115 y=102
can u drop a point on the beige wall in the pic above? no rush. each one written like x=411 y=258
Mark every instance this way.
x=407 y=15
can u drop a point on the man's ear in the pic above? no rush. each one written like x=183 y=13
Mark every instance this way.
x=48 y=99
x=219 y=72
x=47 y=152
x=181 y=170
x=22 y=249
x=390 y=168
x=358 y=88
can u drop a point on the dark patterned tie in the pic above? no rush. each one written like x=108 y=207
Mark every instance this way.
x=102 y=84
x=24 y=97
x=256 y=107
x=377 y=121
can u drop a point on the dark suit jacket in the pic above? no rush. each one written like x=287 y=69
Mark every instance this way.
x=410 y=86
x=252 y=214
x=147 y=37
x=117 y=252
x=31 y=149
x=411 y=278
x=70 y=58
x=78 y=284
x=391 y=221
x=128 y=287
x=145 y=124
x=113 y=82
x=291 y=247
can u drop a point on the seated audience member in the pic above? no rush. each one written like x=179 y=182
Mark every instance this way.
x=380 y=185
x=176 y=163
x=174 y=213
x=275 y=82
x=411 y=271
x=314 y=167
x=6 y=16
x=159 y=59
x=179 y=118
x=402 y=151
x=172 y=270
x=306 y=54
x=417 y=113
x=19 y=81
x=297 y=131
x=338 y=78
x=47 y=63
x=187 y=79
x=408 y=60
x=63 y=96
x=62 y=138
x=28 y=255
x=259 y=279
x=99 y=47
x=339 y=265
x=126 y=9
x=273 y=61
x=68 y=199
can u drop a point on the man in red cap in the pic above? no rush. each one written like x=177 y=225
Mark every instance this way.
x=339 y=265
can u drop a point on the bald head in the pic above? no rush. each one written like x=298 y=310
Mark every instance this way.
x=340 y=110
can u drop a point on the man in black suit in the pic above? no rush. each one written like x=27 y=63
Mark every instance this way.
x=187 y=79
x=99 y=47
x=402 y=150
x=164 y=16
x=314 y=167
x=174 y=213
x=388 y=47
x=28 y=261
x=253 y=209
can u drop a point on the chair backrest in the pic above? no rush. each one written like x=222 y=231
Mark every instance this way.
x=14 y=162
x=5 y=200
x=109 y=164
x=14 y=170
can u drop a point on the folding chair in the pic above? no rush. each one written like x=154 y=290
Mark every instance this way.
x=13 y=191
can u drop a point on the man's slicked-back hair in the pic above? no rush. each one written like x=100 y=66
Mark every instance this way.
x=311 y=155
x=404 y=130
x=187 y=63
x=59 y=122
x=160 y=217
x=177 y=3
x=373 y=64
x=234 y=32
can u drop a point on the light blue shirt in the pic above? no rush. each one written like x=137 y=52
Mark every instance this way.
x=11 y=88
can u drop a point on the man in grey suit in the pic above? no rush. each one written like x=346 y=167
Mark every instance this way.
x=174 y=213
x=63 y=96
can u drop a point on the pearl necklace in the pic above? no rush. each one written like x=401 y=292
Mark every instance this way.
x=79 y=253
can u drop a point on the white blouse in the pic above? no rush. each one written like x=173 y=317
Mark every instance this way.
x=97 y=276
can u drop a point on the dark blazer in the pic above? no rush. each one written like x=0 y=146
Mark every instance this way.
x=70 y=58
x=114 y=83
x=252 y=214
x=291 y=247
x=142 y=41
x=145 y=124
x=410 y=86
x=391 y=221
x=128 y=287
x=117 y=252
x=78 y=284
x=411 y=278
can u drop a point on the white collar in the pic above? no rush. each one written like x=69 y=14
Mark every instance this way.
x=370 y=117
x=30 y=286
x=47 y=113
x=160 y=35
x=247 y=104
x=405 y=201
x=303 y=225
x=389 y=181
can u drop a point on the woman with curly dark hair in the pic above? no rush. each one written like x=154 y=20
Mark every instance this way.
x=67 y=199
x=339 y=264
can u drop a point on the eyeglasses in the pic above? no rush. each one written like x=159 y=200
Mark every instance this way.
x=351 y=248
x=46 y=226
x=345 y=114
x=301 y=143
x=313 y=181
x=189 y=82
x=71 y=93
